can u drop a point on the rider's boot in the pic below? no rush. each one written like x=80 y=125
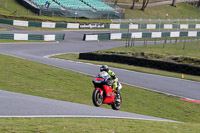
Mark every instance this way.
x=117 y=97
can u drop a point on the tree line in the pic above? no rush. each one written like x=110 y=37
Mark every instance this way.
x=145 y=3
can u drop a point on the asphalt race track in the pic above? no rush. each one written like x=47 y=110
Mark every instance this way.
x=21 y=105
x=15 y=104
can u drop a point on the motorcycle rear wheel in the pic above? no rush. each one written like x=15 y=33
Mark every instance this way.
x=116 y=106
x=97 y=98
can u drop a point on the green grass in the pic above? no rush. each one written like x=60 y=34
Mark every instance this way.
x=151 y=51
x=91 y=125
x=130 y=1
x=191 y=50
x=21 y=41
x=3 y=29
x=31 y=78
x=23 y=76
x=182 y=11
x=9 y=7
x=174 y=52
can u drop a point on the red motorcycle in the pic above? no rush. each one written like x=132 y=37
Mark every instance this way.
x=104 y=93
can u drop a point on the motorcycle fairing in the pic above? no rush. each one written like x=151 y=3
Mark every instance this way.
x=110 y=94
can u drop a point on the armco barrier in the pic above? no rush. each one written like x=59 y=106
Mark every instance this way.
x=98 y=25
x=162 y=65
x=20 y=36
x=54 y=24
x=136 y=35
x=154 y=26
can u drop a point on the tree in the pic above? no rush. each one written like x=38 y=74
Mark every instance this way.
x=116 y=2
x=133 y=5
x=173 y=3
x=144 y=4
x=198 y=4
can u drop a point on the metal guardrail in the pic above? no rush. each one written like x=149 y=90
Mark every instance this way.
x=153 y=20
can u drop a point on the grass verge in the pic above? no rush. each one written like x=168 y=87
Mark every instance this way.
x=22 y=76
x=160 y=51
x=91 y=125
x=3 y=29
x=21 y=41
x=182 y=11
x=139 y=2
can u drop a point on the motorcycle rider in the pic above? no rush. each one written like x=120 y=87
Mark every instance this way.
x=113 y=76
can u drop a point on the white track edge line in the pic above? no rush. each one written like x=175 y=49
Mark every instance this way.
x=84 y=116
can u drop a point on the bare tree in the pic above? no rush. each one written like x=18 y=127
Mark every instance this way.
x=173 y=3
x=133 y=5
x=198 y=4
x=144 y=4
x=116 y=2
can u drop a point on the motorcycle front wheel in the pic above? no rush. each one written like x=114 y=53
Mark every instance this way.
x=97 y=98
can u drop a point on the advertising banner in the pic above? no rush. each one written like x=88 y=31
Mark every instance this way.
x=92 y=26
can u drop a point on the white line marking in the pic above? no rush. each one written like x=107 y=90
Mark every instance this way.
x=85 y=116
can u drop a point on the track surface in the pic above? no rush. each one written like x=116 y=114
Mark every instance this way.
x=73 y=44
x=21 y=105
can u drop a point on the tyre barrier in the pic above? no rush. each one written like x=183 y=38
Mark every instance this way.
x=55 y=37
x=137 y=35
x=162 y=65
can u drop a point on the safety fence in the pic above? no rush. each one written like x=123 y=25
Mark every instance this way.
x=154 y=20
x=24 y=37
x=136 y=35
x=162 y=65
x=98 y=25
x=154 y=26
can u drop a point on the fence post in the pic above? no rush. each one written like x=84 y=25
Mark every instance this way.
x=134 y=41
x=5 y=6
x=146 y=43
x=159 y=24
x=127 y=35
x=165 y=41
x=120 y=25
x=150 y=23
x=178 y=24
x=109 y=26
x=184 y=45
x=129 y=41
x=39 y=12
